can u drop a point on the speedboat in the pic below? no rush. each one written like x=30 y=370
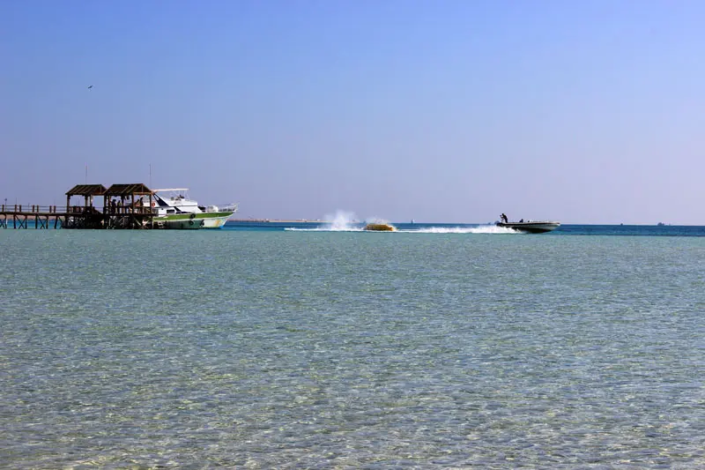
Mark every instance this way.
x=174 y=209
x=531 y=226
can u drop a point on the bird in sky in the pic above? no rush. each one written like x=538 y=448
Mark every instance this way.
x=91 y=86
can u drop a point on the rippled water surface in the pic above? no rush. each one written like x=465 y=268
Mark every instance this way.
x=290 y=349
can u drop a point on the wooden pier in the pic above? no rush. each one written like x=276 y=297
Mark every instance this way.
x=124 y=206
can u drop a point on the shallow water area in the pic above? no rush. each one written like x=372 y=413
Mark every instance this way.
x=339 y=349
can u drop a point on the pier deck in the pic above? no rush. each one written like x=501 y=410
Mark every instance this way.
x=124 y=206
x=18 y=216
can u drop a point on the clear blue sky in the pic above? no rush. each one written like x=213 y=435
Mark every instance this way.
x=440 y=111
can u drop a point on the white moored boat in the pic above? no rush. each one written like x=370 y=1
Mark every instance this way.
x=174 y=209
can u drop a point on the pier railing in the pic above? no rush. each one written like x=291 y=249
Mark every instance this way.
x=82 y=217
x=34 y=209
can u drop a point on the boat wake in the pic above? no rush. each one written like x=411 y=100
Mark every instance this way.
x=343 y=221
x=323 y=229
x=480 y=229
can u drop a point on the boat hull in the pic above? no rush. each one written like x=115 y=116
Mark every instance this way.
x=530 y=227
x=215 y=222
x=207 y=220
x=177 y=224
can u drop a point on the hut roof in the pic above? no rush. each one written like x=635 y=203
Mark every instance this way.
x=87 y=190
x=138 y=189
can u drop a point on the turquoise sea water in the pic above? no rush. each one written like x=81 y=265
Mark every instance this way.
x=246 y=348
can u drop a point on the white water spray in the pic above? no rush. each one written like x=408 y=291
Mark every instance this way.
x=340 y=221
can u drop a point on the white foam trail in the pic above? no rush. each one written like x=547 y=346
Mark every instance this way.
x=322 y=229
x=487 y=229
x=480 y=229
x=346 y=221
